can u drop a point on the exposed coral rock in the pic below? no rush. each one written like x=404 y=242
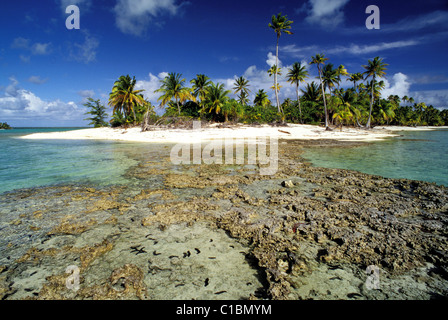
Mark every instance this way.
x=68 y=226
x=288 y=184
x=329 y=222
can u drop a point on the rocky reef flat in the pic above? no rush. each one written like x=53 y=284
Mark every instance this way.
x=226 y=232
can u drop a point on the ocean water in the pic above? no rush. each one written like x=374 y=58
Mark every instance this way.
x=415 y=155
x=34 y=163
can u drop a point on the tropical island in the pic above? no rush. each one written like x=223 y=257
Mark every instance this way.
x=358 y=112
x=207 y=231
x=4 y=126
x=322 y=102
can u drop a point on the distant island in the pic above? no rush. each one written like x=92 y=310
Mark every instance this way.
x=5 y=126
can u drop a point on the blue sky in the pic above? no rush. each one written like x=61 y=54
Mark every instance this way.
x=47 y=71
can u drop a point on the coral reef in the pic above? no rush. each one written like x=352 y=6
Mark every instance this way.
x=305 y=232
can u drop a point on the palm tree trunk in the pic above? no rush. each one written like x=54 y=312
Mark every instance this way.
x=323 y=96
x=357 y=120
x=371 y=104
x=298 y=100
x=133 y=112
x=178 y=107
x=275 y=77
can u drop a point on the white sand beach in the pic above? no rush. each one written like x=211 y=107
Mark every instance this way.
x=213 y=132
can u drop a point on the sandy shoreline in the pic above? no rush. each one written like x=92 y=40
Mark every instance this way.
x=292 y=131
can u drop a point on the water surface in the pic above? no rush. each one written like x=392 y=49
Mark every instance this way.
x=34 y=163
x=416 y=155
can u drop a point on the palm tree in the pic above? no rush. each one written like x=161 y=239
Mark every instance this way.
x=343 y=114
x=395 y=100
x=340 y=71
x=355 y=77
x=241 y=85
x=297 y=74
x=319 y=60
x=374 y=69
x=274 y=70
x=262 y=99
x=173 y=88
x=350 y=99
x=279 y=24
x=232 y=108
x=216 y=97
x=243 y=98
x=123 y=96
x=329 y=77
x=387 y=111
x=311 y=92
x=200 y=84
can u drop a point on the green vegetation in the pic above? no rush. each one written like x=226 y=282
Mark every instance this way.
x=323 y=101
x=173 y=88
x=98 y=113
x=4 y=125
x=129 y=105
x=124 y=100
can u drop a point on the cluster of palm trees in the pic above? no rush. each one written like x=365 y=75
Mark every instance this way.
x=323 y=102
x=5 y=126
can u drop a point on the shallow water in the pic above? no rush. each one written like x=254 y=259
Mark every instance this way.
x=416 y=155
x=35 y=163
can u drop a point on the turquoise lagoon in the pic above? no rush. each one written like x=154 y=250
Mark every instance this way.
x=415 y=155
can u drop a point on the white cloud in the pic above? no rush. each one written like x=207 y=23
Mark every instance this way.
x=35 y=49
x=11 y=89
x=85 y=52
x=259 y=79
x=86 y=93
x=41 y=48
x=399 y=86
x=433 y=19
x=134 y=16
x=271 y=60
x=436 y=98
x=37 y=80
x=20 y=43
x=327 y=13
x=25 y=59
x=150 y=85
x=357 y=49
x=21 y=104
x=353 y=49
